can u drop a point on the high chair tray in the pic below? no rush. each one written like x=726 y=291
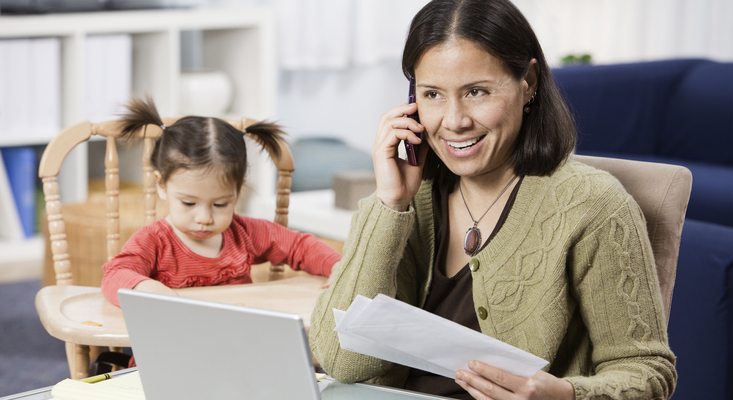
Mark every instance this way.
x=81 y=314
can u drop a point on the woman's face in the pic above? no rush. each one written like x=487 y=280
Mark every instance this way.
x=470 y=105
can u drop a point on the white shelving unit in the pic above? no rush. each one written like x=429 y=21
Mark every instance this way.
x=240 y=42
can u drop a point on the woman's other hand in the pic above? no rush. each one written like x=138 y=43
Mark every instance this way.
x=486 y=382
x=397 y=180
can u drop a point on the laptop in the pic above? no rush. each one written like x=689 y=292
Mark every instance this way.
x=194 y=349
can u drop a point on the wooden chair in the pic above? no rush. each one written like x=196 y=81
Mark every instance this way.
x=79 y=315
x=662 y=191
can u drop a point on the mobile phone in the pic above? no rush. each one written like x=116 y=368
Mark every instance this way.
x=410 y=148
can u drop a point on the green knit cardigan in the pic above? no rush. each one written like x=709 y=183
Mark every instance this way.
x=570 y=277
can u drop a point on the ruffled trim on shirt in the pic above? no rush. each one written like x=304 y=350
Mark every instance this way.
x=239 y=272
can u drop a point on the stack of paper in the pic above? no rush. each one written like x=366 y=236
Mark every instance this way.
x=123 y=387
x=398 y=332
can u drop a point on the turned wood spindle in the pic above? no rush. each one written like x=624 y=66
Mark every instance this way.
x=57 y=232
x=112 y=193
x=149 y=195
x=284 y=179
x=81 y=358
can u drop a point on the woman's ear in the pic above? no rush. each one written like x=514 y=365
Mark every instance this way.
x=530 y=79
x=160 y=185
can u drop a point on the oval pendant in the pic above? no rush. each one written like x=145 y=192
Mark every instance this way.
x=472 y=241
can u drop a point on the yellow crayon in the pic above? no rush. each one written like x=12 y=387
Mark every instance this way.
x=96 y=378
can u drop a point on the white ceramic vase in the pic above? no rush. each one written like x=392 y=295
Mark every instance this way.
x=205 y=93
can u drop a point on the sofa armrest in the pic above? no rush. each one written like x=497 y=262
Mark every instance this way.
x=701 y=323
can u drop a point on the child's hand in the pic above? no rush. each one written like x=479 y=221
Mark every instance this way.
x=328 y=282
x=153 y=286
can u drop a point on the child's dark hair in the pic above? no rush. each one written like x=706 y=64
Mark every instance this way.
x=199 y=142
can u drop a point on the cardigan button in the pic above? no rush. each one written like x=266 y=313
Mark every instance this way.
x=482 y=313
x=473 y=264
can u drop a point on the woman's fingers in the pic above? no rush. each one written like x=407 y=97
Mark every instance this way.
x=392 y=130
x=486 y=382
x=488 y=388
x=490 y=382
x=475 y=393
x=399 y=111
x=496 y=375
x=397 y=117
x=394 y=127
x=396 y=135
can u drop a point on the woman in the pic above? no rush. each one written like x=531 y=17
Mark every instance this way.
x=496 y=230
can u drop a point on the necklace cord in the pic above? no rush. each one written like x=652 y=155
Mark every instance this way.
x=475 y=222
x=472 y=239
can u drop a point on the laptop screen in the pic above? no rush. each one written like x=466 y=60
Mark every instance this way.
x=194 y=349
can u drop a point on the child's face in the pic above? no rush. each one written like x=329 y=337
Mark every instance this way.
x=200 y=204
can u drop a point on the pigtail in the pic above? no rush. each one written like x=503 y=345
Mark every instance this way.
x=138 y=114
x=267 y=135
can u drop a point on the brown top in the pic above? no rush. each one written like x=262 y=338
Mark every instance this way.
x=450 y=298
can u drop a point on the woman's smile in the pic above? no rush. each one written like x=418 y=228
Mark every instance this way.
x=464 y=147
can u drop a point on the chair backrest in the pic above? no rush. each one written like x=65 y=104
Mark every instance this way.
x=61 y=145
x=662 y=191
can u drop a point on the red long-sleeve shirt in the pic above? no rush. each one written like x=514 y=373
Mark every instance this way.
x=155 y=252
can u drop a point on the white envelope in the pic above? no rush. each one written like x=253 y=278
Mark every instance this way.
x=398 y=332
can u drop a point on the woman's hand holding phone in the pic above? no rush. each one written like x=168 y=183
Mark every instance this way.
x=397 y=180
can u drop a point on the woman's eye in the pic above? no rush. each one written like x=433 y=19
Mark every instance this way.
x=431 y=95
x=475 y=92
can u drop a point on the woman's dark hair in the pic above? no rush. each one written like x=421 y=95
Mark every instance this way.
x=548 y=134
x=199 y=142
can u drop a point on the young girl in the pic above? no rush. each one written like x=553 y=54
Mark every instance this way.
x=200 y=164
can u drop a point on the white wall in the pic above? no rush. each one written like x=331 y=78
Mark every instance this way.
x=340 y=103
x=632 y=30
x=347 y=101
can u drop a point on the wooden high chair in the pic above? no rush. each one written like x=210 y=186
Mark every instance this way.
x=80 y=315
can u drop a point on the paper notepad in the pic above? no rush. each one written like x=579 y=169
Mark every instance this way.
x=398 y=332
x=123 y=387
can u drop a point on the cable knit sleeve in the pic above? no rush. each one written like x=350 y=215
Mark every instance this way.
x=372 y=253
x=277 y=244
x=134 y=264
x=616 y=284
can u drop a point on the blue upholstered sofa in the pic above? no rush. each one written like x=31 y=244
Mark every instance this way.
x=676 y=112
